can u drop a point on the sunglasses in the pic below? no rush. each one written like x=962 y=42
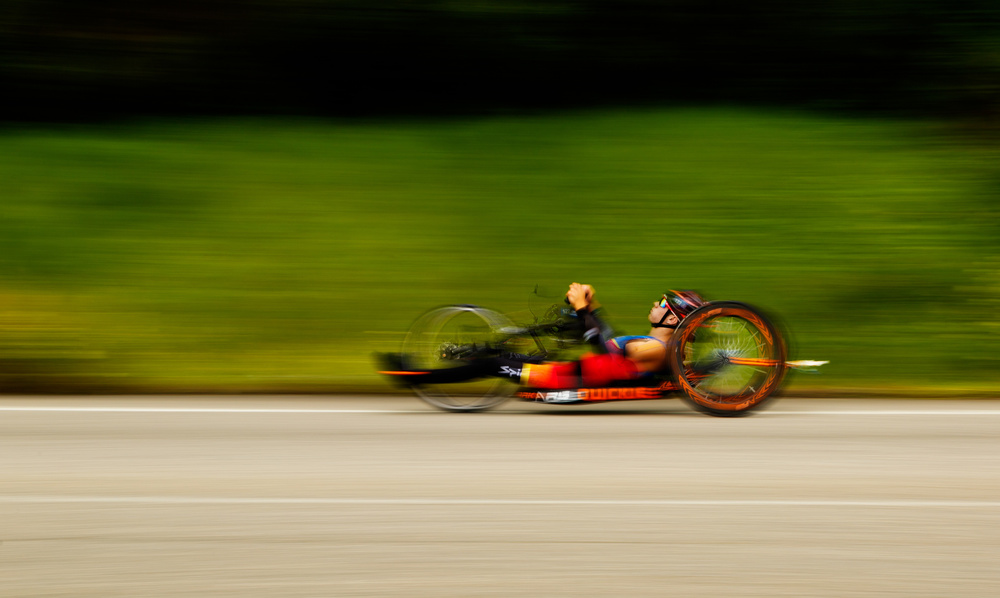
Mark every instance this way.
x=663 y=302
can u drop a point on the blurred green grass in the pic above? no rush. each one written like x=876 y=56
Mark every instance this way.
x=265 y=254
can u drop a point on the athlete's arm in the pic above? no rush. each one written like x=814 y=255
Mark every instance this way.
x=648 y=355
x=595 y=331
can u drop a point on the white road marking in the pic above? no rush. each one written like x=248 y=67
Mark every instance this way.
x=207 y=500
x=890 y=412
x=199 y=410
x=935 y=412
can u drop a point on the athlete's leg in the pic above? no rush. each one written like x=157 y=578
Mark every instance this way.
x=510 y=367
x=592 y=370
x=601 y=370
x=552 y=375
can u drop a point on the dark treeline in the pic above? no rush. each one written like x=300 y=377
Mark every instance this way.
x=76 y=59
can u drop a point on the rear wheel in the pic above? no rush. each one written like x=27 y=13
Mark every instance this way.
x=728 y=358
x=451 y=336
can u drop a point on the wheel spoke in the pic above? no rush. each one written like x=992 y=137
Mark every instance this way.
x=729 y=361
x=449 y=337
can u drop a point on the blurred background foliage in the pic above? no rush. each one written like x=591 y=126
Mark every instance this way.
x=254 y=196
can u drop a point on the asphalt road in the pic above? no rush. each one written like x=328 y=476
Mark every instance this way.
x=289 y=497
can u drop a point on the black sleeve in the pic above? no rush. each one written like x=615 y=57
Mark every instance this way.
x=595 y=330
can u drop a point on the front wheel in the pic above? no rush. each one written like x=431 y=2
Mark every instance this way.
x=727 y=358
x=448 y=337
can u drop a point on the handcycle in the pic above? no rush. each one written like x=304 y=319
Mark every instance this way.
x=725 y=359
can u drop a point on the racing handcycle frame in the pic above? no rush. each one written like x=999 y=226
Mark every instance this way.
x=725 y=359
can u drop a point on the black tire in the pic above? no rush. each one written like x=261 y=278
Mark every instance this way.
x=430 y=345
x=727 y=359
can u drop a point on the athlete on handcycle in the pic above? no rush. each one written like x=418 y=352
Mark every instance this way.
x=615 y=358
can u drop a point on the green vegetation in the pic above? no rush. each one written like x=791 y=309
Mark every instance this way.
x=275 y=254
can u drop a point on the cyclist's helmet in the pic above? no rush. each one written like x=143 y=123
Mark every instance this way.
x=679 y=303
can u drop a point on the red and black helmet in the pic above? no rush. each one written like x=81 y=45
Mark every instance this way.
x=679 y=303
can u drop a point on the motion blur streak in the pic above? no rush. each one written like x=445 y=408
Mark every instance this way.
x=254 y=197
x=205 y=500
x=273 y=255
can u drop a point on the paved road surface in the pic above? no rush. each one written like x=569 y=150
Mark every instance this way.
x=288 y=497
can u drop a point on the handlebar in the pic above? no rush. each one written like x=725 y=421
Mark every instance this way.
x=557 y=320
